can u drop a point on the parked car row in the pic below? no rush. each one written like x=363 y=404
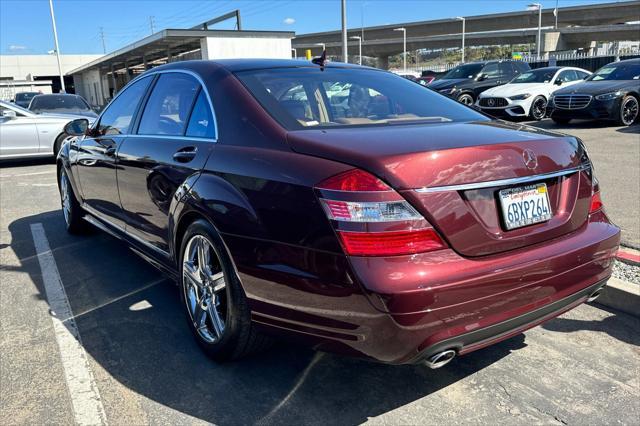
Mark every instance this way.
x=510 y=89
x=23 y=133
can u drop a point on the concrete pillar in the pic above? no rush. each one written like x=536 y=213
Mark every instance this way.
x=553 y=41
x=144 y=62
x=169 y=56
x=127 y=73
x=382 y=62
x=113 y=82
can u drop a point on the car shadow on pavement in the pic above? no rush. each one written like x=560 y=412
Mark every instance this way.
x=620 y=326
x=132 y=325
x=10 y=163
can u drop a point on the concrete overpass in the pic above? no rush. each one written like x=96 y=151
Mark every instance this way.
x=578 y=26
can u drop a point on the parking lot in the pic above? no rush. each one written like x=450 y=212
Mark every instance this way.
x=581 y=368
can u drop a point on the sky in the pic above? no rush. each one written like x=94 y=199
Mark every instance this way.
x=25 y=25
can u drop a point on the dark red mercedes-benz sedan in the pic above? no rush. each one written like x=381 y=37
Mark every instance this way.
x=345 y=206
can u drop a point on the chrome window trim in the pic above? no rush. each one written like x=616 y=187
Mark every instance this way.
x=203 y=87
x=502 y=182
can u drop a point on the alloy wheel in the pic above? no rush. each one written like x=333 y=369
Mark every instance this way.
x=539 y=108
x=466 y=100
x=65 y=196
x=629 y=111
x=204 y=286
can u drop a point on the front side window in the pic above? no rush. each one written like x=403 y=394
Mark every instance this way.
x=168 y=107
x=506 y=69
x=308 y=97
x=567 y=76
x=116 y=119
x=201 y=124
x=491 y=70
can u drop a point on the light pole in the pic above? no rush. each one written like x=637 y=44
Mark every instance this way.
x=538 y=7
x=404 y=46
x=464 y=21
x=55 y=39
x=359 y=47
x=344 y=32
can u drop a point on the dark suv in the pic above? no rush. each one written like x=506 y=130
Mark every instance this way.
x=465 y=82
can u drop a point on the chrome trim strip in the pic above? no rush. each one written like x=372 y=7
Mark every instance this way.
x=171 y=137
x=502 y=182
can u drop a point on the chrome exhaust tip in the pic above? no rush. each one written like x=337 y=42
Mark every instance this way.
x=595 y=295
x=441 y=359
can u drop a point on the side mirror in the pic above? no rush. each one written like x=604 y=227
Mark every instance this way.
x=558 y=82
x=483 y=77
x=77 y=127
x=9 y=114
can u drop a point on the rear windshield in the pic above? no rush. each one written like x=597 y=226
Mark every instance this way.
x=617 y=72
x=310 y=98
x=58 y=103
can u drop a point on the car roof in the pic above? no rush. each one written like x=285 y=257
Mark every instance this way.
x=236 y=65
x=59 y=95
x=633 y=61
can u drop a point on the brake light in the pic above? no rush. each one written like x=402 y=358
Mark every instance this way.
x=596 y=200
x=371 y=219
x=354 y=180
x=596 y=203
x=390 y=243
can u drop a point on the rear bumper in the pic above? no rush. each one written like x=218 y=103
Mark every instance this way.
x=468 y=342
x=402 y=309
x=441 y=299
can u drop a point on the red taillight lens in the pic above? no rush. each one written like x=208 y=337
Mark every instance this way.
x=390 y=243
x=354 y=180
x=596 y=203
x=371 y=219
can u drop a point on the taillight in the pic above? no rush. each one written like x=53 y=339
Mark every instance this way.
x=371 y=219
x=596 y=203
x=596 y=200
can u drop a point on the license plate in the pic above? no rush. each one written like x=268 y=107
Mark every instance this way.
x=525 y=205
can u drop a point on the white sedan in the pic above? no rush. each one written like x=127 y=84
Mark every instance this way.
x=527 y=94
x=25 y=134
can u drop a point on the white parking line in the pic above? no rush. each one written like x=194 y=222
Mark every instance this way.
x=29 y=174
x=85 y=397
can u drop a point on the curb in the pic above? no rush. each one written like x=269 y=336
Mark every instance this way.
x=628 y=255
x=622 y=296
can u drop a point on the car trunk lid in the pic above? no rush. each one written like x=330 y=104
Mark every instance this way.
x=452 y=174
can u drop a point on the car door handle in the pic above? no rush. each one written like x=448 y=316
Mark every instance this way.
x=184 y=155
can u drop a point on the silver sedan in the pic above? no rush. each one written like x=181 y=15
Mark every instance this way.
x=25 y=134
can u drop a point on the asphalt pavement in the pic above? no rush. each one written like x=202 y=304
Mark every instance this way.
x=581 y=368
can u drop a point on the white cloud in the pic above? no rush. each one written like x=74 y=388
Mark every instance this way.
x=17 y=47
x=289 y=21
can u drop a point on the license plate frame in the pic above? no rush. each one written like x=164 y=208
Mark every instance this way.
x=525 y=205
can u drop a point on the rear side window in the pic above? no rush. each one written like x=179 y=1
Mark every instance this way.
x=116 y=119
x=568 y=75
x=168 y=107
x=201 y=124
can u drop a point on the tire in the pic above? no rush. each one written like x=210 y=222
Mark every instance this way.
x=58 y=144
x=466 y=99
x=628 y=113
x=71 y=210
x=215 y=305
x=538 y=108
x=561 y=120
